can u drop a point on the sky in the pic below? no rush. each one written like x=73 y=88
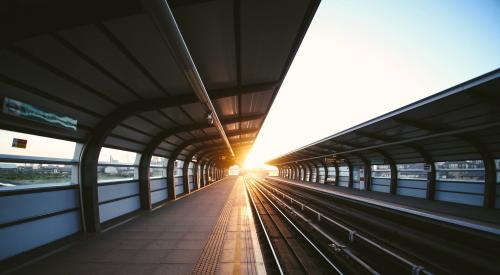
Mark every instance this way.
x=38 y=146
x=362 y=59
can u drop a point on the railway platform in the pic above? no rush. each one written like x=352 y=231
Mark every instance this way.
x=477 y=218
x=210 y=231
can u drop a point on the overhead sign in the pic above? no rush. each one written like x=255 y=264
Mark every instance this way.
x=330 y=160
x=19 y=143
x=333 y=160
x=427 y=168
x=377 y=161
x=27 y=111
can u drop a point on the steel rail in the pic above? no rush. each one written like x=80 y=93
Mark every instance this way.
x=336 y=245
x=482 y=227
x=300 y=231
x=354 y=234
x=263 y=228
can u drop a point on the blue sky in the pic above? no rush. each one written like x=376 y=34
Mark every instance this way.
x=361 y=59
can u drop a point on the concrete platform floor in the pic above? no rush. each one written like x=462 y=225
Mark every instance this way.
x=453 y=211
x=173 y=239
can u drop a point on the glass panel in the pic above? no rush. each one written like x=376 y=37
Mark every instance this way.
x=331 y=174
x=411 y=171
x=468 y=170
x=381 y=171
x=115 y=173
x=15 y=174
x=155 y=172
x=461 y=165
x=343 y=171
x=355 y=174
x=158 y=161
x=36 y=146
x=114 y=156
x=191 y=168
x=178 y=168
x=497 y=162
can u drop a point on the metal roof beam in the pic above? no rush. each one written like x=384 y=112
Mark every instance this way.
x=164 y=19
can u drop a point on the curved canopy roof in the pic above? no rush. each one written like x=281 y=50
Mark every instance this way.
x=460 y=123
x=106 y=64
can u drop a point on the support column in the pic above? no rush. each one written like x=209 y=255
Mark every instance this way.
x=206 y=169
x=202 y=173
x=368 y=176
x=195 y=175
x=302 y=172
x=337 y=174
x=185 y=175
x=325 y=167
x=309 y=166
x=431 y=181
x=170 y=179
x=212 y=171
x=490 y=181
x=207 y=172
x=317 y=171
x=144 y=183
x=304 y=168
x=366 y=171
x=90 y=201
x=350 y=180
x=394 y=176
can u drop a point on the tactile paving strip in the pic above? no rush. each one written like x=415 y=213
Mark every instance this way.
x=209 y=258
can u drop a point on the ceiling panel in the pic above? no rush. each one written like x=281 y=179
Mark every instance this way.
x=154 y=55
x=208 y=29
x=264 y=53
x=22 y=70
x=92 y=42
x=226 y=106
x=177 y=115
x=47 y=49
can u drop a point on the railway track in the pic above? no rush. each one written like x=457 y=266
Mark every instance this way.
x=288 y=250
x=377 y=240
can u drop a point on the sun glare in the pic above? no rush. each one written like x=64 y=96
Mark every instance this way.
x=252 y=162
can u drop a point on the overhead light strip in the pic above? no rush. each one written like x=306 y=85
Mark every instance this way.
x=163 y=17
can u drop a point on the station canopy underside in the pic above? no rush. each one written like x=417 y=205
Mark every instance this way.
x=106 y=64
x=460 y=123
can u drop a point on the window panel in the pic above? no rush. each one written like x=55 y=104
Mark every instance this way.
x=115 y=173
x=36 y=161
x=468 y=170
x=115 y=156
x=14 y=174
x=36 y=146
x=158 y=161
x=156 y=172
x=381 y=171
x=344 y=171
x=412 y=171
x=117 y=165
